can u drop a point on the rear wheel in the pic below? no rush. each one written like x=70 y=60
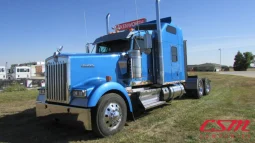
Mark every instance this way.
x=207 y=86
x=110 y=115
x=200 y=89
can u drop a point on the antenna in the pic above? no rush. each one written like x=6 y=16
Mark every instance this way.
x=86 y=33
x=125 y=15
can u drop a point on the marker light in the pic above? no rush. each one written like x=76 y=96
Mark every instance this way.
x=41 y=91
x=108 y=78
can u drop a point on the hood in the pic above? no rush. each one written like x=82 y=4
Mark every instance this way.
x=84 y=68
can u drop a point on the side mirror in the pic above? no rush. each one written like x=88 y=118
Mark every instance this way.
x=87 y=48
x=147 y=40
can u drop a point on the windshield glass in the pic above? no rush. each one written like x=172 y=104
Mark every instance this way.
x=113 y=46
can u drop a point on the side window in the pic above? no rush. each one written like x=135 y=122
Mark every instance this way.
x=171 y=30
x=174 y=54
x=17 y=70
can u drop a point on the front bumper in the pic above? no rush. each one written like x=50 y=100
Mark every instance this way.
x=80 y=114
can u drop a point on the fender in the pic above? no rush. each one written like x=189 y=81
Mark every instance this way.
x=99 y=91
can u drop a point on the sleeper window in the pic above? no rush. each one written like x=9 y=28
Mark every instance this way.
x=174 y=54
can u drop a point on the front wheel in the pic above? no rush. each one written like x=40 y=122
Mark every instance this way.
x=110 y=115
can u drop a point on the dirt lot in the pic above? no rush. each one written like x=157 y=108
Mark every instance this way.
x=232 y=97
x=240 y=73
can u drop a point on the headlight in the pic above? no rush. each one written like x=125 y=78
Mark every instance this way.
x=79 y=93
x=42 y=91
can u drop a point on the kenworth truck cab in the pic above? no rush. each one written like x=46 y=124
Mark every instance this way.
x=130 y=71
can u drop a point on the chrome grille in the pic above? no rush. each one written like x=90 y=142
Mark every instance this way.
x=56 y=82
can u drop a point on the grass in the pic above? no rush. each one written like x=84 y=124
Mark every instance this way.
x=7 y=97
x=232 y=97
x=15 y=87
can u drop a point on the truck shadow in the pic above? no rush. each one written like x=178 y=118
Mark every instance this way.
x=25 y=127
x=186 y=97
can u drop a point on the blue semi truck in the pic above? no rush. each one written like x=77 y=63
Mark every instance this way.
x=130 y=71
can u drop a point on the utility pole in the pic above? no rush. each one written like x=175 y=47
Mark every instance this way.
x=220 y=59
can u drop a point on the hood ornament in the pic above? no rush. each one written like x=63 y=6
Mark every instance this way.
x=55 y=54
x=60 y=49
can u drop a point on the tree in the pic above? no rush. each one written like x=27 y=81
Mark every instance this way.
x=238 y=64
x=242 y=61
x=248 y=56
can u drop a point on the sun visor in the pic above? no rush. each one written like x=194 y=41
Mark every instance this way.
x=114 y=36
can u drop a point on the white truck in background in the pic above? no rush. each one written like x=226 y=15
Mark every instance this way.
x=19 y=72
x=2 y=73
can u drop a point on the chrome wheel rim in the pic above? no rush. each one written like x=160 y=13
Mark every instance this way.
x=207 y=87
x=112 y=116
x=200 y=88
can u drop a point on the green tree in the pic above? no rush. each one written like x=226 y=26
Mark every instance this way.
x=238 y=64
x=248 y=58
x=242 y=61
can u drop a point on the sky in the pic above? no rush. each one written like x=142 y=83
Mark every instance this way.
x=31 y=30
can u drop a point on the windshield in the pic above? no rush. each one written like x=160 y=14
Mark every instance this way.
x=113 y=46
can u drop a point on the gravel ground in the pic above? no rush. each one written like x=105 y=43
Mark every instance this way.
x=240 y=73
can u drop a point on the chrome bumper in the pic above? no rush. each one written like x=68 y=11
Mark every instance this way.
x=83 y=115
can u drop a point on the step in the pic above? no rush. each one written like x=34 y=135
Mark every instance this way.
x=155 y=104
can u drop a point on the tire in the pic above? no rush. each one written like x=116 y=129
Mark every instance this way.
x=200 y=89
x=104 y=123
x=207 y=86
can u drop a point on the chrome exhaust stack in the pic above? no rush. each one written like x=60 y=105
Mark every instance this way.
x=107 y=23
x=160 y=74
